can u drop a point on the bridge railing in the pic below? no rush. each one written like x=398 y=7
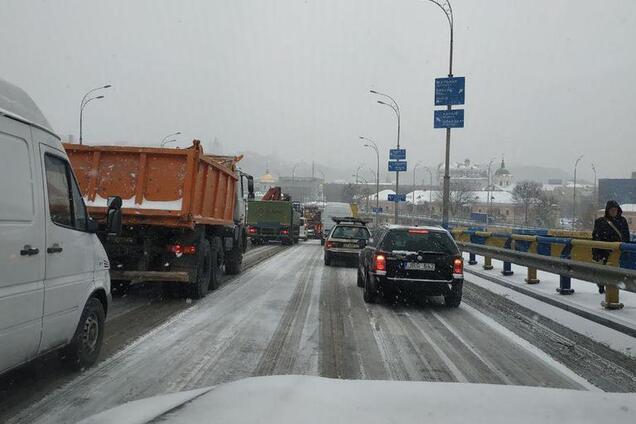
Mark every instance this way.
x=567 y=257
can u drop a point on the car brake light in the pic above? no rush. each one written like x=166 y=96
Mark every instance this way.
x=329 y=244
x=180 y=249
x=252 y=230
x=380 y=263
x=417 y=231
x=458 y=266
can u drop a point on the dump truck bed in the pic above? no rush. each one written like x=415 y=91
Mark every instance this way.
x=158 y=186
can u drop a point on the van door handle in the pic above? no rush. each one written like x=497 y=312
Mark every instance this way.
x=56 y=248
x=27 y=250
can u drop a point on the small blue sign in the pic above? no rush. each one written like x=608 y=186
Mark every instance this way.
x=377 y=210
x=397 y=154
x=400 y=197
x=448 y=119
x=450 y=91
x=397 y=166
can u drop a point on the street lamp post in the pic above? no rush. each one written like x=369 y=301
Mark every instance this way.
x=489 y=200
x=396 y=108
x=163 y=140
x=84 y=103
x=574 y=193
x=448 y=11
x=294 y=171
x=374 y=146
x=322 y=187
x=430 y=190
x=594 y=194
x=413 y=209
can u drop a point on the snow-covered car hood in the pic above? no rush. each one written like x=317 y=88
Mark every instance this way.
x=304 y=399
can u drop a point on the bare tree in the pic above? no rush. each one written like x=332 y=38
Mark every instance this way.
x=527 y=193
x=461 y=195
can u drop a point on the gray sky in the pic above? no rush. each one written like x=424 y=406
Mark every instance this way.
x=546 y=79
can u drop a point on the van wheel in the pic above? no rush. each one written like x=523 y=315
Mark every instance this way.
x=199 y=288
x=84 y=349
x=454 y=298
x=360 y=279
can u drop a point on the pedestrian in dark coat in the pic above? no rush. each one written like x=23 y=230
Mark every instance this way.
x=610 y=227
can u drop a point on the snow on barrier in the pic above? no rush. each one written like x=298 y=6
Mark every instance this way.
x=568 y=257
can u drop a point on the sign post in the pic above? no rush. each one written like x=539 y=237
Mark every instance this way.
x=448 y=92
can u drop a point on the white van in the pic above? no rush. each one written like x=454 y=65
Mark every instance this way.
x=54 y=281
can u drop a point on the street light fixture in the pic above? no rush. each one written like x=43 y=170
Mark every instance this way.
x=448 y=11
x=574 y=193
x=82 y=113
x=372 y=145
x=84 y=102
x=163 y=143
x=163 y=140
x=396 y=108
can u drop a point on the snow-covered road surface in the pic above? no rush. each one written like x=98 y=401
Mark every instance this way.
x=292 y=315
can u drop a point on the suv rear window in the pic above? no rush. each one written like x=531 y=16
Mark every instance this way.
x=349 y=232
x=419 y=240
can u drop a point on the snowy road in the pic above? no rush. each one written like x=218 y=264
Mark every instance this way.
x=292 y=315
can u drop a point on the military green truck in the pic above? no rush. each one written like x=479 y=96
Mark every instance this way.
x=272 y=220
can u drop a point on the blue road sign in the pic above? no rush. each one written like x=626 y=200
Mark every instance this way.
x=400 y=197
x=397 y=166
x=377 y=210
x=397 y=154
x=450 y=91
x=449 y=118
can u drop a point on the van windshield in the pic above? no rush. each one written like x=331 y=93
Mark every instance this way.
x=419 y=241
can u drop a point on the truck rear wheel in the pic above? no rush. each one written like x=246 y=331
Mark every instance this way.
x=234 y=261
x=217 y=263
x=199 y=288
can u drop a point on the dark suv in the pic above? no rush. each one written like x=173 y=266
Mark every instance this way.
x=423 y=260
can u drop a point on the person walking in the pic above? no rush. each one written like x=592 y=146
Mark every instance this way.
x=610 y=227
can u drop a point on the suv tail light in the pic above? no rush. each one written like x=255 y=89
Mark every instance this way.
x=458 y=268
x=284 y=231
x=379 y=264
x=251 y=230
x=328 y=244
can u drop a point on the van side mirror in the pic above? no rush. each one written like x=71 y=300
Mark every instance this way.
x=250 y=187
x=113 y=215
x=91 y=226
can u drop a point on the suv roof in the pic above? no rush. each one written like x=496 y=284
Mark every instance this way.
x=420 y=227
x=348 y=220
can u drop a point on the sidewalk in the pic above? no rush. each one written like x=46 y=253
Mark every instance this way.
x=614 y=328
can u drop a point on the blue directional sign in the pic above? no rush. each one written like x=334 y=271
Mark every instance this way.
x=448 y=119
x=397 y=154
x=449 y=91
x=397 y=166
x=400 y=197
x=377 y=210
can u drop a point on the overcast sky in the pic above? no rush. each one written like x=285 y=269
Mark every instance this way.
x=546 y=80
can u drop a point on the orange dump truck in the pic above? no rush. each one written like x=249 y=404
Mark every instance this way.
x=183 y=212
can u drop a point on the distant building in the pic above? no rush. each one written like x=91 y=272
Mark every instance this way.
x=301 y=189
x=623 y=190
x=503 y=177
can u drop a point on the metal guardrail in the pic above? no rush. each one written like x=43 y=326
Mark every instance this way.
x=623 y=278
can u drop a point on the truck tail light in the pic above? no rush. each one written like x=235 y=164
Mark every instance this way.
x=379 y=263
x=182 y=249
x=458 y=267
x=251 y=230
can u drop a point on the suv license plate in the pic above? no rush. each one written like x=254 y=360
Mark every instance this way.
x=419 y=266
